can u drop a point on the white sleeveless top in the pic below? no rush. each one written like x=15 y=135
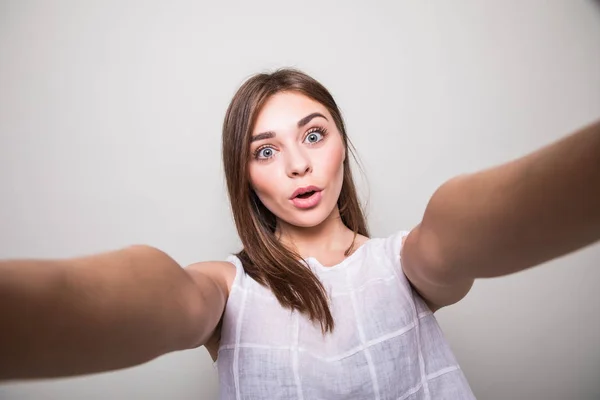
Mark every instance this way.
x=386 y=343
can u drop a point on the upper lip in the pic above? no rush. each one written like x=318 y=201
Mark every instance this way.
x=305 y=189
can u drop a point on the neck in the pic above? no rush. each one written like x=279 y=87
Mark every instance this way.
x=331 y=235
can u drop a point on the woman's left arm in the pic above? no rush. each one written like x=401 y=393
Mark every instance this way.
x=507 y=218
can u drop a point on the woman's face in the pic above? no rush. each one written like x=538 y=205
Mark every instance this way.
x=296 y=146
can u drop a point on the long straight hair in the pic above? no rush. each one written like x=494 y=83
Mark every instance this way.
x=263 y=256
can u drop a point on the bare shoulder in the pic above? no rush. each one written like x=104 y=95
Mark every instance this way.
x=420 y=263
x=221 y=273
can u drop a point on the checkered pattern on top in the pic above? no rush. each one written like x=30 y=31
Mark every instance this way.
x=386 y=343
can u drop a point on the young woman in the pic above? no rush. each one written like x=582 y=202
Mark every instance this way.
x=311 y=307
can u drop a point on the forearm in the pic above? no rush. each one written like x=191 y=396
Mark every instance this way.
x=92 y=314
x=521 y=213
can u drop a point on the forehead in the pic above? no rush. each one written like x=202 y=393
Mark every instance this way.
x=283 y=111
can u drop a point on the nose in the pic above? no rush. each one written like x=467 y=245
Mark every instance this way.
x=298 y=163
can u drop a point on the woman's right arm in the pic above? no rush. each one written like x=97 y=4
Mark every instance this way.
x=100 y=312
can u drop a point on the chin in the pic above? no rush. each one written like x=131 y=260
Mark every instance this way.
x=305 y=222
x=308 y=219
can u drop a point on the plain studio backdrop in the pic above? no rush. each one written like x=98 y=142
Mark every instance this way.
x=110 y=129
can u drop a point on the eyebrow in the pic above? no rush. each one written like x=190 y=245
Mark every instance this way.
x=301 y=123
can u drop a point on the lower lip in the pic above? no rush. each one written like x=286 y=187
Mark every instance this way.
x=309 y=202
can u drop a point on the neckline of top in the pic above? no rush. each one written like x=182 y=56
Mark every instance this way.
x=313 y=261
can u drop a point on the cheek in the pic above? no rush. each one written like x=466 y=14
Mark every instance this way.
x=263 y=180
x=332 y=162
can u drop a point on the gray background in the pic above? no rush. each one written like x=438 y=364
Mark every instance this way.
x=110 y=117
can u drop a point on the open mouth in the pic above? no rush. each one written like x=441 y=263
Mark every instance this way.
x=308 y=199
x=306 y=195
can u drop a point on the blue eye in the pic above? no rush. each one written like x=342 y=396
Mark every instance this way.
x=264 y=153
x=314 y=136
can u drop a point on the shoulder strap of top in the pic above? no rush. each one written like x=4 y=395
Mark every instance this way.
x=393 y=245
x=240 y=274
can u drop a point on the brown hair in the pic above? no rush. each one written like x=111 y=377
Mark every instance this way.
x=263 y=256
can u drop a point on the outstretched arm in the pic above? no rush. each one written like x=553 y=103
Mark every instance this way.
x=101 y=312
x=507 y=218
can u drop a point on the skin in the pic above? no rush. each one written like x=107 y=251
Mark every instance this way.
x=541 y=206
x=297 y=157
